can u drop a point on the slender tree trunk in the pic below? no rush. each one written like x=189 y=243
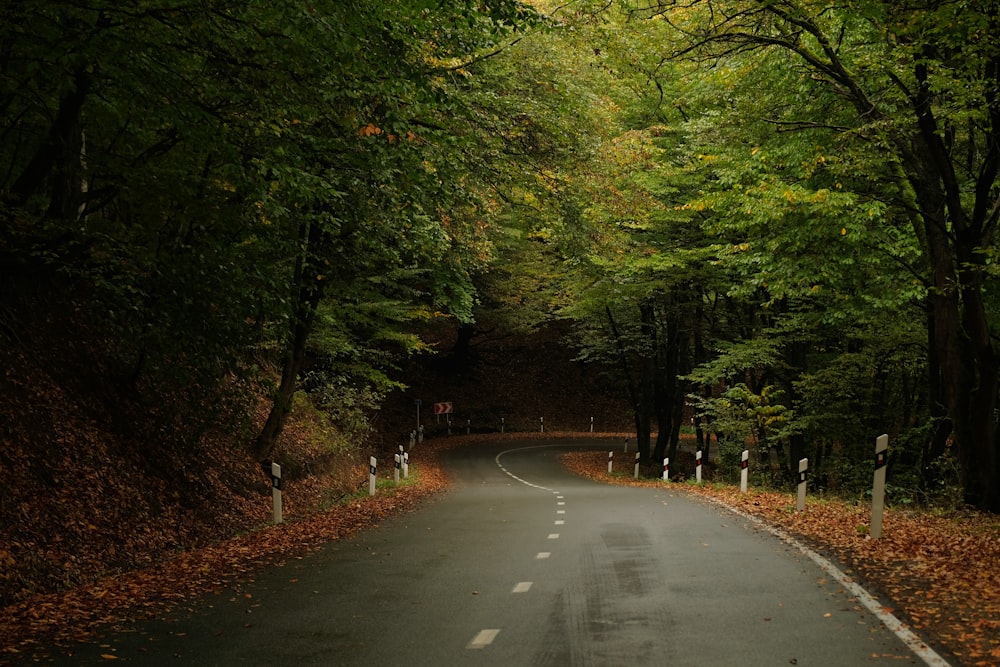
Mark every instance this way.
x=669 y=415
x=282 y=406
x=650 y=386
x=309 y=287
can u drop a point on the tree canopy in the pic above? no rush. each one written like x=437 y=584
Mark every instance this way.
x=775 y=217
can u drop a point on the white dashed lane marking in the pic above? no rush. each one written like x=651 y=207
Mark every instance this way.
x=483 y=639
x=543 y=554
x=522 y=587
x=553 y=536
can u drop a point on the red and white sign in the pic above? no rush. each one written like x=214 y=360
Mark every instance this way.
x=444 y=408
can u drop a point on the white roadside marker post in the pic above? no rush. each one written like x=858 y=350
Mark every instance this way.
x=413 y=438
x=666 y=469
x=541 y=424
x=468 y=426
x=406 y=465
x=611 y=456
x=395 y=472
x=591 y=424
x=800 y=501
x=636 y=465
x=744 y=470
x=878 y=489
x=276 y=492
x=420 y=433
x=501 y=424
x=697 y=466
x=371 y=476
x=626 y=446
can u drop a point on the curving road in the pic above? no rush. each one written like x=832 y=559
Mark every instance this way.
x=522 y=563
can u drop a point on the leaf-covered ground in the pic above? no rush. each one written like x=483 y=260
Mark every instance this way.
x=939 y=573
x=35 y=627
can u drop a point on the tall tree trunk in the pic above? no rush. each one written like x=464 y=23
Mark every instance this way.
x=796 y=360
x=57 y=159
x=963 y=352
x=667 y=387
x=962 y=341
x=979 y=455
x=937 y=403
x=462 y=352
x=640 y=406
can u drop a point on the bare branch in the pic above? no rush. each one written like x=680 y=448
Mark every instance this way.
x=480 y=58
x=797 y=125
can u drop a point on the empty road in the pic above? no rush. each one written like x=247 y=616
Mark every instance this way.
x=523 y=563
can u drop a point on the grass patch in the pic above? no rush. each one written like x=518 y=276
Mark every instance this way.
x=383 y=484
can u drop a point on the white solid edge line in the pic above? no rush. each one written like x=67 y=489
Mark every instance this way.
x=513 y=476
x=483 y=639
x=897 y=627
x=907 y=636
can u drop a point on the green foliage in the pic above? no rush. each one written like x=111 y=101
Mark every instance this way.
x=793 y=208
x=736 y=166
x=212 y=172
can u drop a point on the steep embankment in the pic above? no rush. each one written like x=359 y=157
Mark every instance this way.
x=101 y=480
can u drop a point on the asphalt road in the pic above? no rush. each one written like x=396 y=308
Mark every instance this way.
x=522 y=563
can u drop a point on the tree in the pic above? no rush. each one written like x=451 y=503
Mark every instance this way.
x=921 y=83
x=126 y=132
x=209 y=174
x=385 y=195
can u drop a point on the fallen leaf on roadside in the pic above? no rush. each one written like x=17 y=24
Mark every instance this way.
x=940 y=570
